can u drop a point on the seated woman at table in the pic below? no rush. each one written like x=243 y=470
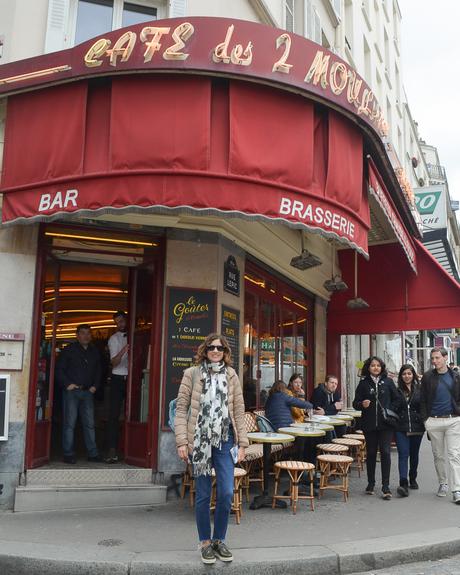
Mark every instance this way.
x=279 y=404
x=295 y=389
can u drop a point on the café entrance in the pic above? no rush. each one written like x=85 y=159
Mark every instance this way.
x=83 y=277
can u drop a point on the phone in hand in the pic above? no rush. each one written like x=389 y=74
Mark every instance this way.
x=234 y=454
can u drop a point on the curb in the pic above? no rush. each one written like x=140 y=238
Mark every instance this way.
x=19 y=558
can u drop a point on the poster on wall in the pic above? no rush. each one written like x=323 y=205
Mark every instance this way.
x=191 y=316
x=231 y=330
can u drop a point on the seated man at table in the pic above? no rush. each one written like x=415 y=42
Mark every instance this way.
x=279 y=403
x=326 y=398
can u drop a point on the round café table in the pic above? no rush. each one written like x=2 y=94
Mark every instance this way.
x=304 y=434
x=327 y=427
x=307 y=425
x=267 y=440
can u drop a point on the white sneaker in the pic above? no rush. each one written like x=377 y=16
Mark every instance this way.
x=456 y=497
x=443 y=490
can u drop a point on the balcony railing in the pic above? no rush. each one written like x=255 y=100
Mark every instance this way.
x=436 y=172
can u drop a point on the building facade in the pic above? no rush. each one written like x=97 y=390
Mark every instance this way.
x=202 y=175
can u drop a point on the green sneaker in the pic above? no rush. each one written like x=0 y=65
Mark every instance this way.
x=222 y=551
x=207 y=554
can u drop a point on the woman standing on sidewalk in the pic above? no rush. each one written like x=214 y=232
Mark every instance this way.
x=209 y=423
x=410 y=430
x=376 y=391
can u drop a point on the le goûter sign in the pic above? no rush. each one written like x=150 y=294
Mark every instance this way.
x=215 y=46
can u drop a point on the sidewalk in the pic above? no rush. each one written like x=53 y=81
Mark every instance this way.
x=338 y=537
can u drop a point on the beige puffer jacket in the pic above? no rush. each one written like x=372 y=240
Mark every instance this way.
x=189 y=396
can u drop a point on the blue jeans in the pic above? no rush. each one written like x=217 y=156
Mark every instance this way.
x=223 y=464
x=78 y=401
x=408 y=449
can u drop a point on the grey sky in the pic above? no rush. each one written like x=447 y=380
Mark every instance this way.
x=430 y=37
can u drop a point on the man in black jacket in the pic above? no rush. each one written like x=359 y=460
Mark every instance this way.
x=78 y=371
x=326 y=396
x=440 y=409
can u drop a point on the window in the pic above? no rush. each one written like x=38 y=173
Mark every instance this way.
x=277 y=335
x=94 y=17
x=337 y=5
x=313 y=23
x=289 y=15
x=135 y=14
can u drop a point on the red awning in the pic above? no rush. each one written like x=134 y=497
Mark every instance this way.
x=398 y=299
x=378 y=189
x=169 y=143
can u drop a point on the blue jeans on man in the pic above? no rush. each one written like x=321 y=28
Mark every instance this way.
x=78 y=402
x=408 y=451
x=223 y=464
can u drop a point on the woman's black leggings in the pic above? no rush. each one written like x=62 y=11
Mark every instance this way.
x=380 y=439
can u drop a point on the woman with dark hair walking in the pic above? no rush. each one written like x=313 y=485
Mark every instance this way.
x=375 y=392
x=209 y=427
x=410 y=429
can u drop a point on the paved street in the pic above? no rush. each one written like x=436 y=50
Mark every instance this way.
x=449 y=566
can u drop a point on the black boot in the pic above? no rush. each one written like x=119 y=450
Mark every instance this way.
x=413 y=482
x=403 y=489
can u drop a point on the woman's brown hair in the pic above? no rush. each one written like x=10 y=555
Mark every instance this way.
x=278 y=386
x=201 y=353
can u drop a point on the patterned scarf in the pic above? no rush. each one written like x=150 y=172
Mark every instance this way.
x=212 y=423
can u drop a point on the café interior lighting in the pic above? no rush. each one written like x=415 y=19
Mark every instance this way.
x=100 y=239
x=336 y=283
x=357 y=302
x=306 y=259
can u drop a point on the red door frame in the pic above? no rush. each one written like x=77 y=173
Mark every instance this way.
x=32 y=458
x=38 y=433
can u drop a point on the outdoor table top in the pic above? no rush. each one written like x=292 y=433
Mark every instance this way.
x=324 y=426
x=343 y=416
x=335 y=422
x=351 y=412
x=260 y=437
x=302 y=432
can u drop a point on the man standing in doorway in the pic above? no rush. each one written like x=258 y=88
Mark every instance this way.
x=440 y=409
x=118 y=349
x=78 y=371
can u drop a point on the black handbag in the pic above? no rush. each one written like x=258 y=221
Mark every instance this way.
x=390 y=417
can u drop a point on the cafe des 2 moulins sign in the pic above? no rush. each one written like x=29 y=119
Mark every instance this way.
x=215 y=46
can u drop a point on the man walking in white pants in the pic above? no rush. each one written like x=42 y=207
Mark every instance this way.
x=440 y=409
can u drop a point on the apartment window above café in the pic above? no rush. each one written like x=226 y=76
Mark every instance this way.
x=94 y=17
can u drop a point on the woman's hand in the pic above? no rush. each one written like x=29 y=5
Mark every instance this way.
x=182 y=452
x=241 y=454
x=365 y=403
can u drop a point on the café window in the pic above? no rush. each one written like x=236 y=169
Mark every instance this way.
x=95 y=17
x=277 y=335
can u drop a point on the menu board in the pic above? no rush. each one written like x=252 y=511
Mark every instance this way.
x=231 y=330
x=191 y=317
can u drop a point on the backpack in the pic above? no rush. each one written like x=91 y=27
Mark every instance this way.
x=172 y=413
x=264 y=424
